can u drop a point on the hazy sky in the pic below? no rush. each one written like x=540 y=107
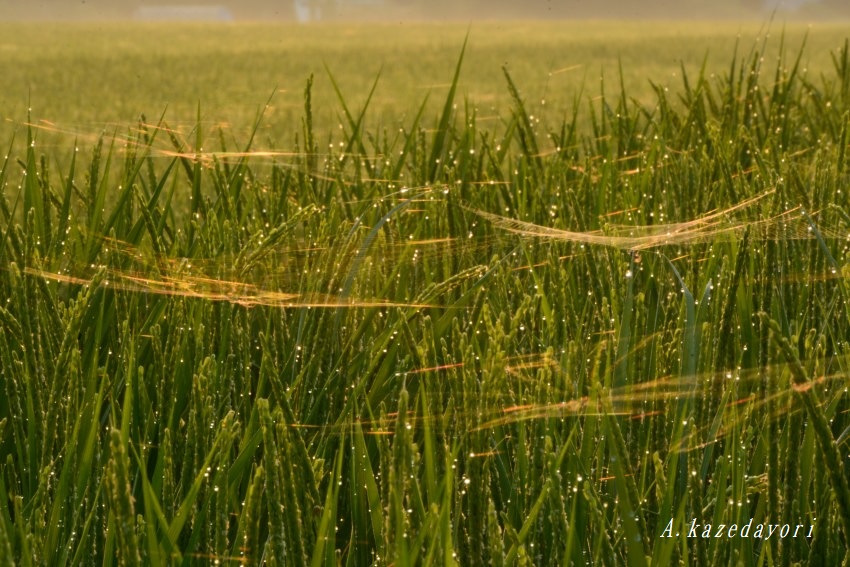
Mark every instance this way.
x=417 y=9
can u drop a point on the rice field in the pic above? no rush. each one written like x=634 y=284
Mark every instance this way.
x=539 y=294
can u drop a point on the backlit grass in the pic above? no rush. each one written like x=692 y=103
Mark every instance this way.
x=535 y=339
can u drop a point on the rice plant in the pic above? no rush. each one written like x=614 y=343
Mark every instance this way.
x=591 y=341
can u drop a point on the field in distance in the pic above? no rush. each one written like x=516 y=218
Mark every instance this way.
x=89 y=78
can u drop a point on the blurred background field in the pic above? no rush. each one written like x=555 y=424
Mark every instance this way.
x=87 y=78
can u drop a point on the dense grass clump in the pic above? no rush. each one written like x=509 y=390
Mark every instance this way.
x=539 y=344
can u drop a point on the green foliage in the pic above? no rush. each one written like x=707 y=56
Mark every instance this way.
x=531 y=344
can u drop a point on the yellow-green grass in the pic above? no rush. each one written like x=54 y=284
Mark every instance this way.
x=86 y=78
x=490 y=337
